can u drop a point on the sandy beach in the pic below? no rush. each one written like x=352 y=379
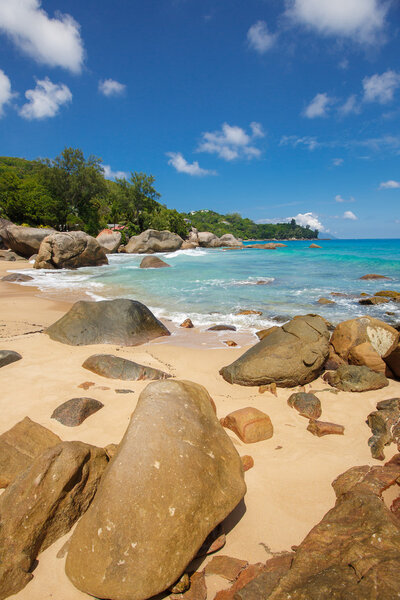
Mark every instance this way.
x=289 y=487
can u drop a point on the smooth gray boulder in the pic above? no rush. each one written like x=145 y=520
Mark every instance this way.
x=230 y=241
x=116 y=367
x=25 y=241
x=109 y=240
x=176 y=475
x=153 y=262
x=70 y=250
x=291 y=355
x=151 y=241
x=122 y=321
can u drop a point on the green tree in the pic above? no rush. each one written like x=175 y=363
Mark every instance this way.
x=137 y=200
x=77 y=185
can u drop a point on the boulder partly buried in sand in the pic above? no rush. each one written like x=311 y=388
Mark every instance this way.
x=175 y=476
x=250 y=424
x=8 y=356
x=350 y=378
x=151 y=241
x=70 y=250
x=20 y=445
x=321 y=428
x=73 y=412
x=16 y=277
x=308 y=405
x=116 y=367
x=291 y=355
x=153 y=262
x=42 y=505
x=121 y=321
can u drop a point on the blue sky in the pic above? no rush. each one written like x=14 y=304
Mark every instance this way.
x=274 y=109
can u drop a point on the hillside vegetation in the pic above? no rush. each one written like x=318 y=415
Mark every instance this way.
x=71 y=192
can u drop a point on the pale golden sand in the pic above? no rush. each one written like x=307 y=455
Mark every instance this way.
x=289 y=488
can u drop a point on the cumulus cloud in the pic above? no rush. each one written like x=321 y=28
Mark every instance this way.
x=348 y=214
x=110 y=87
x=359 y=20
x=110 y=174
x=232 y=142
x=259 y=38
x=6 y=93
x=381 y=88
x=337 y=162
x=45 y=99
x=310 y=219
x=389 y=185
x=349 y=107
x=318 y=106
x=293 y=140
x=177 y=160
x=55 y=42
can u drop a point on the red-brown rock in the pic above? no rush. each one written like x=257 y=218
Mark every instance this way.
x=321 y=428
x=250 y=424
x=226 y=566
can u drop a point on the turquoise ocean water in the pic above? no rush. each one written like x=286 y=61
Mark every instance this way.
x=211 y=285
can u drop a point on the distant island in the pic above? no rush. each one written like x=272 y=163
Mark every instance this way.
x=71 y=192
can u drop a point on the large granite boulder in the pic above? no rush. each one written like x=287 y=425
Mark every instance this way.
x=206 y=239
x=230 y=241
x=109 y=240
x=121 y=321
x=351 y=378
x=42 y=505
x=384 y=423
x=348 y=334
x=291 y=355
x=175 y=476
x=116 y=367
x=70 y=250
x=20 y=445
x=354 y=552
x=25 y=241
x=151 y=241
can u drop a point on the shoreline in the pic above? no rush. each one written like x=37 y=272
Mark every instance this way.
x=289 y=487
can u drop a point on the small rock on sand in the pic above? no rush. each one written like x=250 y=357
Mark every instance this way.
x=320 y=428
x=250 y=424
x=187 y=324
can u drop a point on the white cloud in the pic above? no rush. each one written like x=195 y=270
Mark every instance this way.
x=110 y=174
x=349 y=107
x=339 y=198
x=359 y=20
x=45 y=100
x=389 y=185
x=293 y=140
x=110 y=87
x=337 y=162
x=232 y=142
x=349 y=215
x=55 y=42
x=6 y=93
x=177 y=161
x=344 y=64
x=310 y=219
x=380 y=88
x=259 y=37
x=318 y=106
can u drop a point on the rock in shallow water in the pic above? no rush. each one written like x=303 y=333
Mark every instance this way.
x=153 y=262
x=291 y=355
x=122 y=321
x=175 y=476
x=115 y=367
